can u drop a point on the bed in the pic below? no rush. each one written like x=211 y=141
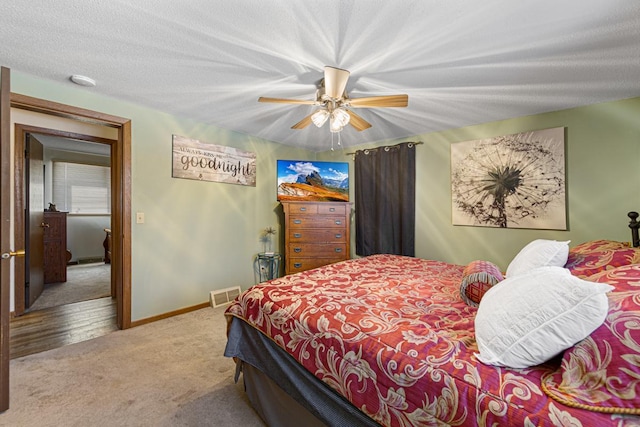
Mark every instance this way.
x=401 y=341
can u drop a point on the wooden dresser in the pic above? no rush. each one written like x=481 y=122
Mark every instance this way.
x=316 y=234
x=55 y=247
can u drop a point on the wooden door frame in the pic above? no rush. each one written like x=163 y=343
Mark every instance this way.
x=120 y=187
x=19 y=213
x=5 y=233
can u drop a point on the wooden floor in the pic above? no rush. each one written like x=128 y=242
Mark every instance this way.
x=55 y=327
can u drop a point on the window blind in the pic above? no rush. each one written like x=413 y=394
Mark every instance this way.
x=81 y=189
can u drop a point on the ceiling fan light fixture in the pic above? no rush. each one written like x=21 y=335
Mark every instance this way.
x=336 y=105
x=339 y=119
x=335 y=127
x=320 y=117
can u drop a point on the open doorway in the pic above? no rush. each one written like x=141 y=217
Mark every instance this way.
x=115 y=140
x=67 y=269
x=72 y=170
x=120 y=185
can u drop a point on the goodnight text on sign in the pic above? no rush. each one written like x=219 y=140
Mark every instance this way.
x=193 y=159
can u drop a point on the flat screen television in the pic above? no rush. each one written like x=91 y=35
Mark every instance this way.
x=309 y=180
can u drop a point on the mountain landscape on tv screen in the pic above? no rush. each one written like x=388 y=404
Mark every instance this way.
x=314 y=187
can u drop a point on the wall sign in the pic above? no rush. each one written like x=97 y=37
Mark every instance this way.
x=193 y=159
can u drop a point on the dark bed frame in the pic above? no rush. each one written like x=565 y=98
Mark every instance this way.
x=634 y=225
x=285 y=394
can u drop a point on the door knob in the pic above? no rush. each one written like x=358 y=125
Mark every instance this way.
x=9 y=254
x=44 y=225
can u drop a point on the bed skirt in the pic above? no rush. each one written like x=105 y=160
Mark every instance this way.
x=274 y=379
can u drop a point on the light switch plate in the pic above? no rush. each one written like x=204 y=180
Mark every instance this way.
x=140 y=217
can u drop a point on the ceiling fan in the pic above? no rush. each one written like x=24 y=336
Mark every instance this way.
x=335 y=105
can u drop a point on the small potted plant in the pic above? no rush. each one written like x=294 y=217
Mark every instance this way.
x=266 y=239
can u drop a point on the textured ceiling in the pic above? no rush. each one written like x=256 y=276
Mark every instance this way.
x=460 y=62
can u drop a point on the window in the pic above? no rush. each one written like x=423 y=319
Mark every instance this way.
x=81 y=188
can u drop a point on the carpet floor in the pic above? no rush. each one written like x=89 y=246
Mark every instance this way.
x=84 y=282
x=171 y=372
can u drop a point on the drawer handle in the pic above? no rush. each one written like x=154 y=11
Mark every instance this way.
x=297 y=235
x=338 y=222
x=297 y=221
x=303 y=209
x=338 y=236
x=297 y=264
x=332 y=209
x=338 y=249
x=297 y=250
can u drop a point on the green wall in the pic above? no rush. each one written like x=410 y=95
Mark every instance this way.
x=197 y=236
x=603 y=177
x=201 y=236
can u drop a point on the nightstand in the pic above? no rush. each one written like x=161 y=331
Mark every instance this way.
x=267 y=266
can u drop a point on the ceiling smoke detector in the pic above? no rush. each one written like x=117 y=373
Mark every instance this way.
x=83 y=80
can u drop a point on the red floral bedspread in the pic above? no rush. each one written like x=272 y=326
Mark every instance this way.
x=393 y=336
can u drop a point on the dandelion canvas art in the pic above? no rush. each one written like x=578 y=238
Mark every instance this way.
x=510 y=181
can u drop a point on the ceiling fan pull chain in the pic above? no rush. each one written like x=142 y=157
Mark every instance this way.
x=339 y=139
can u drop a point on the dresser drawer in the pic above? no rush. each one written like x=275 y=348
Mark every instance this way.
x=320 y=235
x=327 y=209
x=303 y=209
x=318 y=250
x=324 y=208
x=317 y=221
x=296 y=265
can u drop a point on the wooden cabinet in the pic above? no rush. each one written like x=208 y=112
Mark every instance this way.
x=316 y=234
x=55 y=247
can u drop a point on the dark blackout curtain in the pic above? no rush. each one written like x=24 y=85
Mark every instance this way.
x=385 y=200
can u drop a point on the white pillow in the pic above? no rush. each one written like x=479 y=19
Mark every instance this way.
x=526 y=320
x=539 y=253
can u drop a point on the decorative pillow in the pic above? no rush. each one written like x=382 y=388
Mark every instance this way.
x=539 y=253
x=598 y=245
x=528 y=319
x=602 y=372
x=588 y=263
x=477 y=278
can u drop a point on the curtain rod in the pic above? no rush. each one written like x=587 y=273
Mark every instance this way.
x=414 y=143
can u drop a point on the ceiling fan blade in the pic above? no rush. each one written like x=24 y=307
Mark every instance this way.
x=358 y=122
x=380 y=101
x=303 y=123
x=335 y=81
x=285 y=101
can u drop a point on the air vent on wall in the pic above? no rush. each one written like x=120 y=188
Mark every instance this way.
x=223 y=296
